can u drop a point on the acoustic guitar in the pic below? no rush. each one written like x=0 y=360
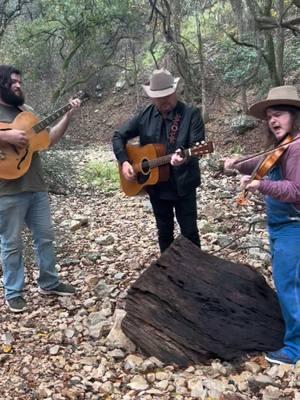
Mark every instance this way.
x=150 y=164
x=15 y=162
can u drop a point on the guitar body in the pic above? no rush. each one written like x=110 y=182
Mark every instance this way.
x=139 y=156
x=150 y=164
x=15 y=162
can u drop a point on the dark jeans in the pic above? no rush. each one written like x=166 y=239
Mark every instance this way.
x=186 y=215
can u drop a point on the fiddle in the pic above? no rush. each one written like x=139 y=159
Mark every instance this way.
x=264 y=166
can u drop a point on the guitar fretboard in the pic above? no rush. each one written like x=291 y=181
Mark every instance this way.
x=157 y=162
x=51 y=118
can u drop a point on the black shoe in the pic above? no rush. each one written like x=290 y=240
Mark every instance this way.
x=279 y=357
x=16 y=304
x=62 y=289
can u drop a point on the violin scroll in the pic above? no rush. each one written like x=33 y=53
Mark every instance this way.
x=242 y=198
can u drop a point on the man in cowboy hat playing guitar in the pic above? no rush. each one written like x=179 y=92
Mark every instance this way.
x=281 y=111
x=25 y=201
x=177 y=126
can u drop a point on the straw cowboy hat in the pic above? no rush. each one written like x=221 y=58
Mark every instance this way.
x=281 y=95
x=162 y=84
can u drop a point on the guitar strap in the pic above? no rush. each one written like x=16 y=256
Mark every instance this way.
x=25 y=107
x=174 y=129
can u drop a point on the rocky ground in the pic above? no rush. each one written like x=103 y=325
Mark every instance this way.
x=73 y=348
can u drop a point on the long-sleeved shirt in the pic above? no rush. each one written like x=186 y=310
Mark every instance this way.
x=287 y=189
x=150 y=127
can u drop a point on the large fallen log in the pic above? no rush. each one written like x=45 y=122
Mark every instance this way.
x=190 y=306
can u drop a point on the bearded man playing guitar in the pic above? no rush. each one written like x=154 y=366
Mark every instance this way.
x=176 y=125
x=24 y=200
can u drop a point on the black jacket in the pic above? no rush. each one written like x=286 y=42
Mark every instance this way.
x=150 y=127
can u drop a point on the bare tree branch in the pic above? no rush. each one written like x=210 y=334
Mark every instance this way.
x=8 y=15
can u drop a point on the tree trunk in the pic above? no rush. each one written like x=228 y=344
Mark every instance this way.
x=244 y=99
x=280 y=43
x=204 y=111
x=190 y=306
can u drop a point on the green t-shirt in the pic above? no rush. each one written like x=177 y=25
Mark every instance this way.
x=33 y=180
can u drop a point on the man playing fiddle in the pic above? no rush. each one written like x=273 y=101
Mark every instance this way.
x=281 y=189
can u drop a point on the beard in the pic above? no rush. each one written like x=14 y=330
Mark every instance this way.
x=12 y=98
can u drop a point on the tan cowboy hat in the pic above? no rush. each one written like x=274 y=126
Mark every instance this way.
x=162 y=84
x=281 y=95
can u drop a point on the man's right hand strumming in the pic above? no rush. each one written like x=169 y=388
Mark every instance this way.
x=128 y=171
x=15 y=137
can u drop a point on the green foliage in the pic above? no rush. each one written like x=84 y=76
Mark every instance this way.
x=71 y=43
x=148 y=61
x=235 y=63
x=102 y=174
x=292 y=57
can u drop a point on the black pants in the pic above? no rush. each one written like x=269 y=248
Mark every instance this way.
x=186 y=215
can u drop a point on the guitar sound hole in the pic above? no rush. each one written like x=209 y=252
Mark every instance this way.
x=22 y=159
x=145 y=167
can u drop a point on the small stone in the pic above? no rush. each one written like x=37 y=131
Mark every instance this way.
x=138 y=383
x=107 y=387
x=161 y=375
x=7 y=338
x=92 y=280
x=117 y=354
x=260 y=381
x=54 y=350
x=150 y=377
x=162 y=385
x=252 y=367
x=196 y=387
x=69 y=333
x=272 y=393
x=132 y=362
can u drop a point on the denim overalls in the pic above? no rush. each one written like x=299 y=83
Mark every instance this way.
x=284 y=232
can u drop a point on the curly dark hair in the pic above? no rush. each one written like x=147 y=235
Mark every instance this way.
x=5 y=75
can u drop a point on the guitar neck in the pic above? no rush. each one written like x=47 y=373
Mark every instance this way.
x=51 y=118
x=158 y=162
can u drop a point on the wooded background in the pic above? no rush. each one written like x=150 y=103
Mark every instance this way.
x=214 y=45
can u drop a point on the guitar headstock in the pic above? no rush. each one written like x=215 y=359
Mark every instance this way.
x=81 y=95
x=200 y=149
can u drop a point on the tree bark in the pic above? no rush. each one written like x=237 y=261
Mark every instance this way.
x=190 y=306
